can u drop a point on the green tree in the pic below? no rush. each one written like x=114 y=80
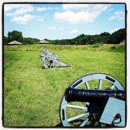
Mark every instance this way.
x=105 y=34
x=30 y=40
x=5 y=40
x=117 y=36
x=15 y=35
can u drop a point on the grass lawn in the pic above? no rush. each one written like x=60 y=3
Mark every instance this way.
x=32 y=94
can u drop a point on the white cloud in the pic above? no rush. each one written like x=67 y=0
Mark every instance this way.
x=50 y=8
x=22 y=19
x=39 y=9
x=74 y=31
x=86 y=7
x=60 y=28
x=87 y=13
x=40 y=19
x=110 y=9
x=9 y=7
x=75 y=18
x=117 y=15
x=114 y=30
x=52 y=28
x=19 y=9
x=74 y=6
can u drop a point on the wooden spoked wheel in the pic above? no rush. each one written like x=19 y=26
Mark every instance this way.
x=49 y=60
x=80 y=114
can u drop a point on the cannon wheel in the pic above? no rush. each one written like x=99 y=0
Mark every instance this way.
x=78 y=114
x=51 y=60
x=44 y=52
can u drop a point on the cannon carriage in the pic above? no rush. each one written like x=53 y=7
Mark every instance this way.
x=93 y=100
x=51 y=60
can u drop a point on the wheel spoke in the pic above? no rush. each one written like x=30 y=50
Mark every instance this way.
x=100 y=84
x=84 y=122
x=79 y=114
x=112 y=87
x=77 y=107
x=77 y=117
x=87 y=85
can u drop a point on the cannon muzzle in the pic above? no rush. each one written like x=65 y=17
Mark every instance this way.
x=81 y=95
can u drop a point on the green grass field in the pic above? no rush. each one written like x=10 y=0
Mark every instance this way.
x=32 y=94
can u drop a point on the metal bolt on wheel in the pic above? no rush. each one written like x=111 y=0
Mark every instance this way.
x=80 y=114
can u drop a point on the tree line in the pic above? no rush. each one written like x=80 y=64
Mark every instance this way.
x=17 y=35
x=105 y=37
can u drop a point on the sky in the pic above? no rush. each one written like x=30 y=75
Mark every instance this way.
x=63 y=21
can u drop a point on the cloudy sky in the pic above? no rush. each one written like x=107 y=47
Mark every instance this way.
x=63 y=21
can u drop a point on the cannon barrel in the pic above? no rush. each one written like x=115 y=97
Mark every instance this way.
x=83 y=95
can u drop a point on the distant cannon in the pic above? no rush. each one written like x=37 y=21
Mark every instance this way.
x=94 y=100
x=51 y=60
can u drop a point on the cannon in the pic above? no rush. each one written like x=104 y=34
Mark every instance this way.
x=94 y=100
x=51 y=60
x=83 y=95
